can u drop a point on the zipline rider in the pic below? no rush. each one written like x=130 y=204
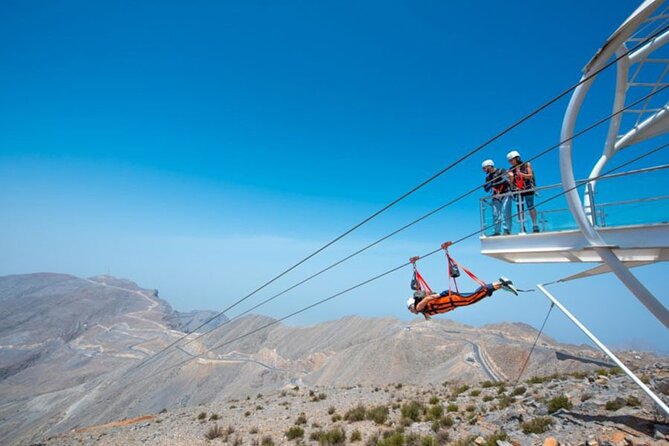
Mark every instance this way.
x=427 y=303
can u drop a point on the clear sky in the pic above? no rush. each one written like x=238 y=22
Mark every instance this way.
x=202 y=147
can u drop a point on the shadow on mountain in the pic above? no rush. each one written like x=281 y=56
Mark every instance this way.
x=562 y=356
x=644 y=425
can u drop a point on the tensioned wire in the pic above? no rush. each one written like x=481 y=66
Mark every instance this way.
x=534 y=344
x=508 y=129
x=386 y=273
x=423 y=217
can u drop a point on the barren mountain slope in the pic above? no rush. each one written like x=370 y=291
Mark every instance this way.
x=598 y=409
x=61 y=334
x=71 y=352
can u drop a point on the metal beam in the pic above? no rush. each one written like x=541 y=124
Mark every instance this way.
x=603 y=347
x=601 y=269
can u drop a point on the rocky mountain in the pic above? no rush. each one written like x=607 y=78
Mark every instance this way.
x=78 y=352
x=600 y=408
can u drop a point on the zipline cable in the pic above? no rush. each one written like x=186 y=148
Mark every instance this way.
x=423 y=217
x=390 y=271
x=411 y=191
x=414 y=189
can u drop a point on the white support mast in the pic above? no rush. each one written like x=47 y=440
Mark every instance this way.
x=582 y=214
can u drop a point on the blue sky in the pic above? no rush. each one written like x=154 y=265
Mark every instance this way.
x=202 y=148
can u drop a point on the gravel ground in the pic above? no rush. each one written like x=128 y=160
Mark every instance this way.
x=597 y=409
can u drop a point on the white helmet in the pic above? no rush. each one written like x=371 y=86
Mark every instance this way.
x=512 y=154
x=410 y=302
x=487 y=163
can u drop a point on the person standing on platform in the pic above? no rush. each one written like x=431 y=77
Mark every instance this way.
x=522 y=180
x=497 y=181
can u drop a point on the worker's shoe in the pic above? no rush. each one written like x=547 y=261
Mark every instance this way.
x=507 y=285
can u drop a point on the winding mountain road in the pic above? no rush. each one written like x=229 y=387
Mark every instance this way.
x=480 y=358
x=237 y=360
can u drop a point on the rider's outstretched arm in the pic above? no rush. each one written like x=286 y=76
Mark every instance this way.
x=421 y=305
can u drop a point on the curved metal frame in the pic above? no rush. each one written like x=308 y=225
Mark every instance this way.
x=584 y=221
x=614 y=126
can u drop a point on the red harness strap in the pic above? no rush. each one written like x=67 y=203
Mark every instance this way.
x=422 y=284
x=469 y=273
x=450 y=260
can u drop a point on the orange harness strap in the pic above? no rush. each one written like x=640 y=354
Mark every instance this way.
x=453 y=301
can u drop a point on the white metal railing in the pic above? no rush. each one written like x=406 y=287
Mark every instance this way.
x=621 y=212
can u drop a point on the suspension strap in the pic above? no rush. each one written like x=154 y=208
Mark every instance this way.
x=450 y=259
x=449 y=268
x=527 y=360
x=418 y=283
x=452 y=268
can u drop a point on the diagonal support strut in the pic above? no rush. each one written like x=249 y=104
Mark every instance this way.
x=603 y=347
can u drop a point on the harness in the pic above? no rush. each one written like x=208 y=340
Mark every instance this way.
x=454 y=273
x=497 y=181
x=519 y=181
x=420 y=286
x=417 y=282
